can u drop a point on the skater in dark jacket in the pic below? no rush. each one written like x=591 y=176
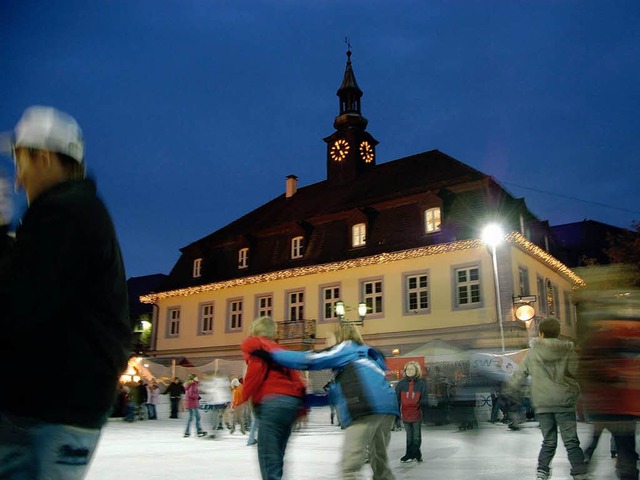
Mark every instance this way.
x=412 y=398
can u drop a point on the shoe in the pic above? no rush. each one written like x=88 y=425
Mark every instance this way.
x=202 y=433
x=252 y=443
x=406 y=458
x=187 y=435
x=542 y=475
x=419 y=458
x=232 y=430
x=614 y=454
x=513 y=427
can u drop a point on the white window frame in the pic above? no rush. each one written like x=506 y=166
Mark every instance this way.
x=542 y=295
x=297 y=244
x=329 y=295
x=373 y=296
x=235 y=314
x=243 y=258
x=417 y=293
x=264 y=305
x=471 y=286
x=197 y=268
x=173 y=321
x=359 y=235
x=295 y=304
x=205 y=320
x=432 y=220
x=523 y=280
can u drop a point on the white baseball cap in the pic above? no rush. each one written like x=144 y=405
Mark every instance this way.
x=46 y=128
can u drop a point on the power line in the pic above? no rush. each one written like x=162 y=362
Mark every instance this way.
x=627 y=210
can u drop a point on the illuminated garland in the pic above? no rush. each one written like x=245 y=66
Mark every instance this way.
x=514 y=238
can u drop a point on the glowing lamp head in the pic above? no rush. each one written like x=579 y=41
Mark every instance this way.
x=492 y=234
x=525 y=312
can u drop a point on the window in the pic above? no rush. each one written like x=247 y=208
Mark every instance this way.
x=329 y=295
x=467 y=287
x=243 y=258
x=523 y=281
x=295 y=303
x=567 y=308
x=372 y=296
x=173 y=323
x=542 y=296
x=206 y=319
x=264 y=306
x=432 y=220
x=416 y=293
x=296 y=247
x=197 y=267
x=234 y=314
x=359 y=235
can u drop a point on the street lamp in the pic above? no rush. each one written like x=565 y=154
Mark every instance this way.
x=492 y=235
x=341 y=309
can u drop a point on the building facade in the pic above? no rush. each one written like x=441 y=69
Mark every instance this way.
x=401 y=236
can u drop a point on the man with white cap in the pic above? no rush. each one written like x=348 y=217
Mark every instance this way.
x=64 y=304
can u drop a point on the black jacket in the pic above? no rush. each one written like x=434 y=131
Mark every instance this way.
x=63 y=297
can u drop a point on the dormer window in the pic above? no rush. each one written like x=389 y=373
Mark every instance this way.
x=243 y=258
x=359 y=235
x=296 y=247
x=197 y=268
x=432 y=218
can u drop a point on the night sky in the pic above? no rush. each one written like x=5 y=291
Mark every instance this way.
x=194 y=112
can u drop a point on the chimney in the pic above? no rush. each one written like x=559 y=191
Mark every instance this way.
x=291 y=186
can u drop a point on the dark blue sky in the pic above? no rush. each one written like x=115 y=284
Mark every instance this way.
x=195 y=111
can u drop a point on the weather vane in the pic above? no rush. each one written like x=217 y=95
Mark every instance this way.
x=348 y=43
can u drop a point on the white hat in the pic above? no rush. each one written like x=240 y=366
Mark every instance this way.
x=45 y=128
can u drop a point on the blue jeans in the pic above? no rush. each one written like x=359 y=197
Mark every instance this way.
x=414 y=439
x=193 y=413
x=253 y=429
x=276 y=416
x=550 y=423
x=30 y=450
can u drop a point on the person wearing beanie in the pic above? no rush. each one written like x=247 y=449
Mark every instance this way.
x=63 y=287
x=277 y=396
x=238 y=409
x=412 y=398
x=192 y=404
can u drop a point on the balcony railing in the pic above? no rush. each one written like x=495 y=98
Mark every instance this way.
x=296 y=330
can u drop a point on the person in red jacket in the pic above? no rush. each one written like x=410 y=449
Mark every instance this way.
x=412 y=397
x=277 y=395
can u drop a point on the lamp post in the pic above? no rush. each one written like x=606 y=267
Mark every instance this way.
x=341 y=309
x=492 y=235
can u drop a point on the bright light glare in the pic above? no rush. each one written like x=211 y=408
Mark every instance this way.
x=492 y=234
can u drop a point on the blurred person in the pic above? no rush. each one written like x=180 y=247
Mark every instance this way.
x=596 y=433
x=277 y=396
x=175 y=391
x=463 y=399
x=153 y=393
x=141 y=399
x=367 y=404
x=552 y=365
x=192 y=404
x=412 y=398
x=62 y=287
x=217 y=393
x=610 y=379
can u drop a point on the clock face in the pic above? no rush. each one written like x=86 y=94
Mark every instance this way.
x=339 y=150
x=366 y=152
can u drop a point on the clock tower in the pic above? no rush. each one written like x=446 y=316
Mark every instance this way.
x=351 y=150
